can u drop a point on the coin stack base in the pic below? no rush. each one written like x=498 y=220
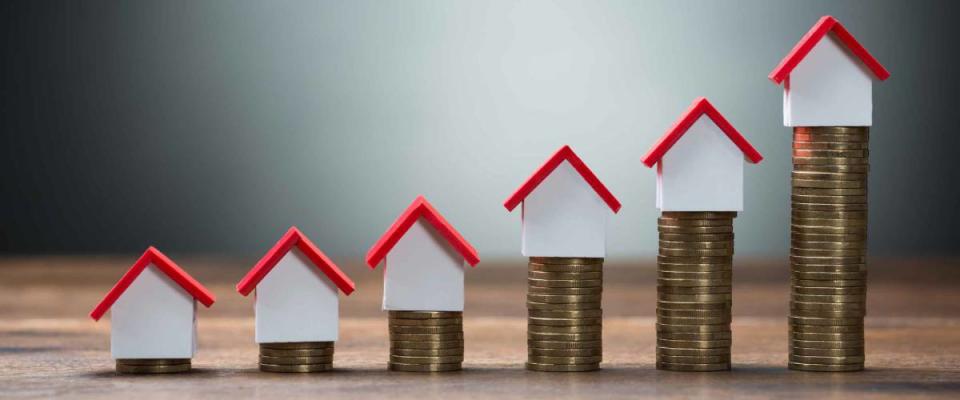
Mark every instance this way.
x=828 y=237
x=153 y=365
x=564 y=327
x=694 y=291
x=296 y=357
x=426 y=341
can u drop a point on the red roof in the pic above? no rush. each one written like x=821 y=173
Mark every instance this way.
x=294 y=237
x=155 y=257
x=564 y=154
x=820 y=29
x=420 y=208
x=699 y=107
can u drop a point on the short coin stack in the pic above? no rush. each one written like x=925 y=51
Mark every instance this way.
x=426 y=341
x=296 y=357
x=153 y=365
x=828 y=236
x=694 y=291
x=565 y=320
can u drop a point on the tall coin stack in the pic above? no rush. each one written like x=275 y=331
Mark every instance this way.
x=694 y=291
x=426 y=341
x=296 y=357
x=152 y=365
x=828 y=237
x=565 y=321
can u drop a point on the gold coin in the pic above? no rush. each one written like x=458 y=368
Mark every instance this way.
x=692 y=305
x=563 y=367
x=426 y=360
x=829 y=283
x=832 y=153
x=693 y=320
x=693 y=367
x=841 y=260
x=806 y=191
x=458 y=351
x=425 y=329
x=297 y=345
x=532 y=305
x=394 y=366
x=830 y=161
x=664 y=358
x=695 y=289
x=694 y=260
x=830 y=139
x=567 y=260
x=426 y=322
x=827 y=252
x=706 y=328
x=564 y=360
x=565 y=275
x=826 y=184
x=827 y=328
x=695 y=335
x=827 y=207
x=692 y=282
x=829 y=214
x=809 y=244
x=684 y=222
x=821 y=321
x=700 y=214
x=828 y=275
x=153 y=361
x=828 y=237
x=296 y=360
x=800 y=351
x=824 y=368
x=846 y=298
x=565 y=329
x=830 y=176
x=565 y=313
x=828 y=313
x=825 y=199
x=811 y=268
x=847 y=168
x=828 y=222
x=297 y=352
x=426 y=344
x=830 y=146
x=694 y=268
x=696 y=252
x=565 y=268
x=667 y=244
x=828 y=290
x=436 y=337
x=301 y=368
x=564 y=344
x=672 y=351
x=589 y=352
x=829 y=337
x=693 y=313
x=152 y=369
x=707 y=298
x=557 y=337
x=425 y=314
x=564 y=321
x=564 y=291
x=837 y=130
x=704 y=237
x=689 y=230
x=565 y=283
x=827 y=230
x=821 y=344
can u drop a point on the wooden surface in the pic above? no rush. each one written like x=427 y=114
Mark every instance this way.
x=49 y=347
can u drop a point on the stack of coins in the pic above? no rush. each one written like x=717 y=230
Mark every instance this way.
x=828 y=237
x=694 y=296
x=565 y=322
x=426 y=341
x=296 y=357
x=153 y=365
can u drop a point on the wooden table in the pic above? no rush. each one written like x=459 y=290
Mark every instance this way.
x=48 y=346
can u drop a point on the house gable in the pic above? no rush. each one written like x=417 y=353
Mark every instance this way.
x=703 y=171
x=155 y=318
x=423 y=272
x=296 y=302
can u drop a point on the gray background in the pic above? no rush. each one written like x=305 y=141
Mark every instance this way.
x=210 y=127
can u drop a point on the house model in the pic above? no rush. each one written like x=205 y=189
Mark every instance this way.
x=564 y=210
x=828 y=79
x=700 y=162
x=153 y=310
x=424 y=259
x=297 y=287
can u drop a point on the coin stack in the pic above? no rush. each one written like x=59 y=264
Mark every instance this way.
x=565 y=321
x=828 y=237
x=153 y=365
x=426 y=341
x=694 y=296
x=296 y=357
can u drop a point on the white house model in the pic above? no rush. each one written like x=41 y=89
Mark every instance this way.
x=424 y=259
x=828 y=79
x=700 y=162
x=153 y=310
x=297 y=288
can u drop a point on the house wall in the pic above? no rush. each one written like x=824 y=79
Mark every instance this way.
x=830 y=87
x=296 y=302
x=423 y=273
x=703 y=171
x=153 y=318
x=564 y=217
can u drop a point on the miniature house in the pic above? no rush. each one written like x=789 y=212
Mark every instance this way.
x=565 y=209
x=700 y=162
x=828 y=79
x=424 y=261
x=153 y=310
x=297 y=288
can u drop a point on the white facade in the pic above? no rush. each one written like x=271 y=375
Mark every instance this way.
x=153 y=318
x=703 y=171
x=296 y=302
x=830 y=87
x=564 y=217
x=423 y=272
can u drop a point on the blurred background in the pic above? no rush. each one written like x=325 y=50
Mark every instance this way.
x=208 y=128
